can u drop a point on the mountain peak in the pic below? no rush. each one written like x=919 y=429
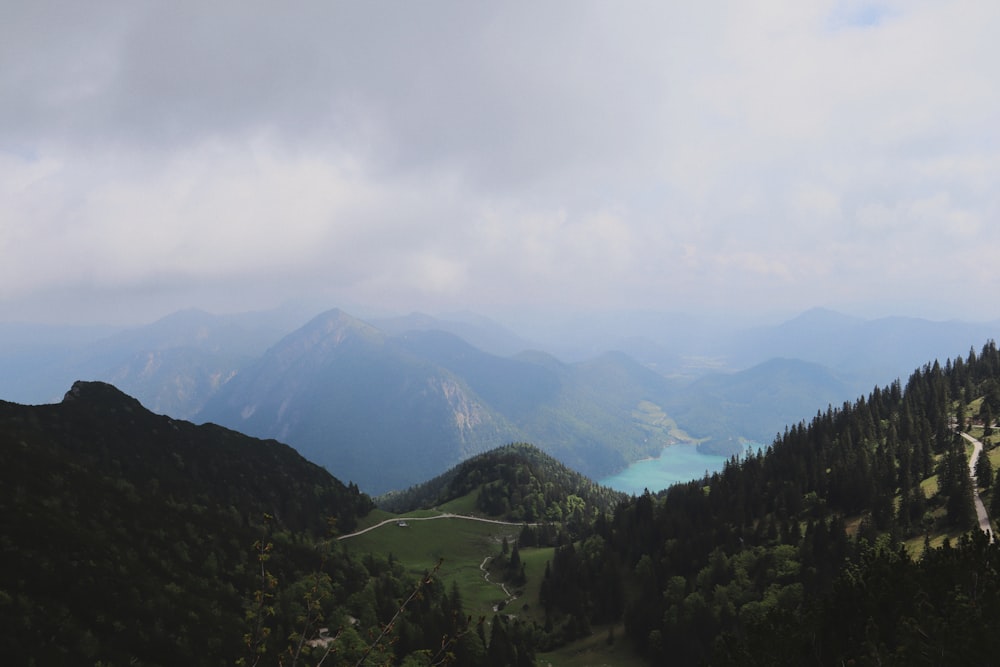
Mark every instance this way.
x=339 y=325
x=99 y=394
x=824 y=317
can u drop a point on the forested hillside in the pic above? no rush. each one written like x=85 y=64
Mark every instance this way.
x=517 y=482
x=847 y=542
x=132 y=538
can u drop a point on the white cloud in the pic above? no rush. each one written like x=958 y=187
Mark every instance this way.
x=417 y=155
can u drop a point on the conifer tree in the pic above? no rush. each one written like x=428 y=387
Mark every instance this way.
x=984 y=470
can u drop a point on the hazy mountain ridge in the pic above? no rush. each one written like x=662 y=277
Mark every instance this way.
x=862 y=352
x=173 y=364
x=428 y=395
x=478 y=331
x=756 y=403
x=349 y=397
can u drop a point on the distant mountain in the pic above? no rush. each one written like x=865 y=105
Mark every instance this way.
x=478 y=331
x=35 y=359
x=586 y=414
x=424 y=392
x=349 y=397
x=387 y=411
x=862 y=352
x=772 y=377
x=172 y=365
x=756 y=404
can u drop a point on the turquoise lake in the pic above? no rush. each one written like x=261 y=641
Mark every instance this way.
x=677 y=463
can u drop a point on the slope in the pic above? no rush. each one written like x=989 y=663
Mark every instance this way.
x=802 y=554
x=516 y=482
x=128 y=535
x=755 y=404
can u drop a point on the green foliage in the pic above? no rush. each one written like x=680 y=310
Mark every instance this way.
x=519 y=483
x=754 y=564
x=131 y=538
x=984 y=470
x=789 y=556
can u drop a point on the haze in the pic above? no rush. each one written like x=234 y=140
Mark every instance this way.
x=737 y=158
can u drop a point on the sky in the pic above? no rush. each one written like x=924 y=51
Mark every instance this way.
x=730 y=157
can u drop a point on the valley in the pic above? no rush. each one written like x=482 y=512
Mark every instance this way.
x=499 y=334
x=155 y=540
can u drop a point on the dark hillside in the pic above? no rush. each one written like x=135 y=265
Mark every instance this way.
x=128 y=536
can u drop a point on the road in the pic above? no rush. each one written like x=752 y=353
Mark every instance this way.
x=446 y=515
x=984 y=518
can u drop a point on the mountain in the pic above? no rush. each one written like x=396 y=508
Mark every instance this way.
x=755 y=404
x=587 y=414
x=387 y=411
x=516 y=482
x=480 y=332
x=128 y=536
x=863 y=352
x=172 y=365
x=352 y=399
x=35 y=358
x=438 y=389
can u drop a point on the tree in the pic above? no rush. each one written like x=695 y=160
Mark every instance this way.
x=984 y=470
x=995 y=503
x=986 y=414
x=959 y=508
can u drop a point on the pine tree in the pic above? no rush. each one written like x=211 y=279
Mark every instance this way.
x=995 y=503
x=984 y=470
x=986 y=414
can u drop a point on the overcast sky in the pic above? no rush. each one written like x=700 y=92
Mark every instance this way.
x=434 y=156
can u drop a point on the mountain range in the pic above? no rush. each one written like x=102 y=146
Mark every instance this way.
x=389 y=402
x=136 y=538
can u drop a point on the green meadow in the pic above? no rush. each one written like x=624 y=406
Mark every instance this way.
x=460 y=546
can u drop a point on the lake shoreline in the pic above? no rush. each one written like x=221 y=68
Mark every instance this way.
x=677 y=463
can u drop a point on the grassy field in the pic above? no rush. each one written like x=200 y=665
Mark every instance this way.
x=462 y=545
x=464 y=505
x=459 y=544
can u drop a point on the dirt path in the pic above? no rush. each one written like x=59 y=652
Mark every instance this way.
x=984 y=518
x=486 y=575
x=446 y=515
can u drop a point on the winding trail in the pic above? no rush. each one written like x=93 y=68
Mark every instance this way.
x=446 y=515
x=486 y=575
x=984 y=518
